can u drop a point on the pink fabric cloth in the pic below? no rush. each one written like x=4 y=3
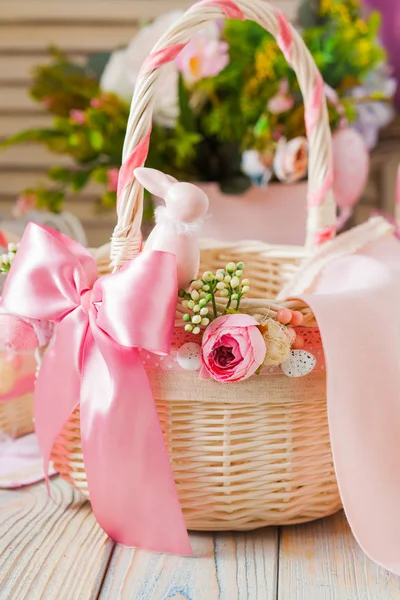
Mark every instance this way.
x=355 y=299
x=21 y=462
x=94 y=361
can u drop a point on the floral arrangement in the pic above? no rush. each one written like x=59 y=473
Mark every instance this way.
x=6 y=259
x=234 y=346
x=228 y=109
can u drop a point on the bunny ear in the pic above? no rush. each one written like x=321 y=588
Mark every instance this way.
x=154 y=181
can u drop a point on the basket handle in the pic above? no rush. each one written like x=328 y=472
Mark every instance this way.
x=321 y=218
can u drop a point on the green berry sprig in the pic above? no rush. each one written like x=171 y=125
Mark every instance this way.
x=200 y=301
x=6 y=259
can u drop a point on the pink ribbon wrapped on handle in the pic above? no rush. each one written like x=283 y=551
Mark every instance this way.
x=93 y=362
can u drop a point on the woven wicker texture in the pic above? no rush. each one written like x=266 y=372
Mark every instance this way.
x=258 y=453
x=241 y=465
x=16 y=416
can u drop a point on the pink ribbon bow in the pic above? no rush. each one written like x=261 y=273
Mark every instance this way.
x=93 y=361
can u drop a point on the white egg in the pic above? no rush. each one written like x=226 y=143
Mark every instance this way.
x=189 y=356
x=299 y=363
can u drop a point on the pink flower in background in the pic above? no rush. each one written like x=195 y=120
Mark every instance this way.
x=77 y=116
x=95 y=103
x=232 y=348
x=202 y=57
x=123 y=68
x=48 y=101
x=24 y=204
x=291 y=159
x=112 y=180
x=282 y=101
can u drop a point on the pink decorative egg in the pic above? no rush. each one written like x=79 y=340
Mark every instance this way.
x=351 y=167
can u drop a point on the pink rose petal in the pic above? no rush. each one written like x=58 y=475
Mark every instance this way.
x=233 y=348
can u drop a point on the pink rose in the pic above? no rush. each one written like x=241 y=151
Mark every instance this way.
x=202 y=57
x=95 y=103
x=24 y=204
x=282 y=101
x=232 y=349
x=77 y=116
x=291 y=159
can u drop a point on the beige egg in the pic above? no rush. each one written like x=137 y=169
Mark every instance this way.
x=7 y=377
x=278 y=342
x=299 y=363
x=189 y=356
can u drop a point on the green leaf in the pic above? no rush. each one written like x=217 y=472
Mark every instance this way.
x=74 y=140
x=186 y=115
x=31 y=135
x=79 y=179
x=51 y=200
x=96 y=140
x=99 y=175
x=59 y=174
x=109 y=200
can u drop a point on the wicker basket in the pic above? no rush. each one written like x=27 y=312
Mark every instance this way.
x=257 y=452
x=16 y=416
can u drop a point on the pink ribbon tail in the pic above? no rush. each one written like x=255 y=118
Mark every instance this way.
x=125 y=425
x=58 y=384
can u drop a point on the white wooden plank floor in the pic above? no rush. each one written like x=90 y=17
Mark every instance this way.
x=53 y=549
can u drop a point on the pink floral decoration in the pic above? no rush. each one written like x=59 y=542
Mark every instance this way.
x=112 y=180
x=24 y=204
x=282 y=101
x=291 y=159
x=232 y=348
x=95 y=103
x=47 y=101
x=202 y=57
x=77 y=116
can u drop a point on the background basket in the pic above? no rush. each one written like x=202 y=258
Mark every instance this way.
x=16 y=416
x=257 y=452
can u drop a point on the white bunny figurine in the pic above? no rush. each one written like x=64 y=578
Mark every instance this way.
x=178 y=222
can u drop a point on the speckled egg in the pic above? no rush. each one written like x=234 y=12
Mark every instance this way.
x=189 y=356
x=299 y=363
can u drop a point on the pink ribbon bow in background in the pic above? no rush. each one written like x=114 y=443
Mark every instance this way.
x=93 y=361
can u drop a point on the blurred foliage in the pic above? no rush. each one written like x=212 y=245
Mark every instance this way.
x=219 y=117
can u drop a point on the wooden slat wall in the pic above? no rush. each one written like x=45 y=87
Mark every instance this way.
x=78 y=27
